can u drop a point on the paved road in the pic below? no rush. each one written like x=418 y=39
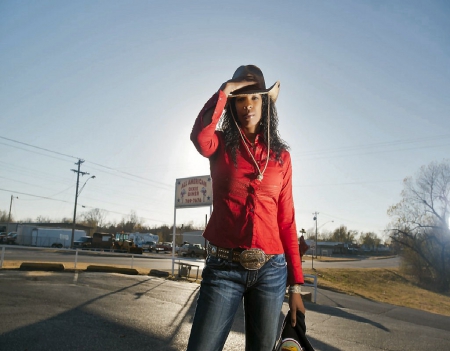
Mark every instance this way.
x=357 y=262
x=98 y=311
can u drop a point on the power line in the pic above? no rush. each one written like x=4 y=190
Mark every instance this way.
x=163 y=185
x=37 y=147
x=42 y=197
x=94 y=163
x=34 y=152
x=375 y=145
x=84 y=206
x=348 y=183
x=123 y=214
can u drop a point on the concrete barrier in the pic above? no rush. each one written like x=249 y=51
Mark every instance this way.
x=37 y=266
x=158 y=273
x=111 y=269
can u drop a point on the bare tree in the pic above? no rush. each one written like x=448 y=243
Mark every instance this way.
x=342 y=234
x=42 y=219
x=370 y=240
x=421 y=225
x=3 y=216
x=310 y=233
x=130 y=224
x=94 y=218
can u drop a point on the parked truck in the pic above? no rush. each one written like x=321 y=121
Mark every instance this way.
x=192 y=250
x=141 y=239
x=123 y=243
x=46 y=237
x=98 y=241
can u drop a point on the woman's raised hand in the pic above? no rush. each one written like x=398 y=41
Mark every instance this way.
x=231 y=85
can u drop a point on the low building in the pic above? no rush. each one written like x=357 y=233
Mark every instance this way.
x=194 y=237
x=327 y=248
x=12 y=227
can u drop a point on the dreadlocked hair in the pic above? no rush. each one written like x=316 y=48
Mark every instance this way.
x=231 y=132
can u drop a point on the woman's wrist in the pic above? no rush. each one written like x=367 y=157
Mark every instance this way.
x=295 y=289
x=227 y=88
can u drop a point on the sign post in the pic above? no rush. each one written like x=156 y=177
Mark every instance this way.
x=190 y=192
x=313 y=248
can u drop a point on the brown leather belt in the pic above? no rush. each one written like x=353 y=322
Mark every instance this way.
x=251 y=259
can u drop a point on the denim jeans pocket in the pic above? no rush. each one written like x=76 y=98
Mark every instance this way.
x=216 y=263
x=278 y=261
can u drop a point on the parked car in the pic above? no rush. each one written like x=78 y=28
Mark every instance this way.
x=163 y=247
x=85 y=242
x=3 y=237
x=149 y=246
x=192 y=250
x=11 y=238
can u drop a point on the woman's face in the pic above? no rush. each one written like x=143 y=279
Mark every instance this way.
x=248 y=109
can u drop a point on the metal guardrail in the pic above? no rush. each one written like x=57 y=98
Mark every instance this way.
x=179 y=263
x=75 y=251
x=86 y=251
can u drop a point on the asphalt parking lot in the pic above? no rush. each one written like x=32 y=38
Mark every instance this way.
x=110 y=311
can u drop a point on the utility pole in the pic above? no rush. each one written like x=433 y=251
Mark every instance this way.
x=78 y=172
x=9 y=216
x=315 y=218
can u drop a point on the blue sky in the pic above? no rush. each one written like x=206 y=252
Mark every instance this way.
x=364 y=100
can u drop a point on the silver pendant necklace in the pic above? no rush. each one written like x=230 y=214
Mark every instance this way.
x=260 y=175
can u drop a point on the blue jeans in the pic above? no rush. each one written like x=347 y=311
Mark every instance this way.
x=223 y=286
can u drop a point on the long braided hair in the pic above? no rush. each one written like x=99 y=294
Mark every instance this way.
x=231 y=133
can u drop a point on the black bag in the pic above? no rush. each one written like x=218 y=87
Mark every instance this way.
x=293 y=338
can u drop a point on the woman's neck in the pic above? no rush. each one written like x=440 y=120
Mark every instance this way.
x=251 y=134
x=251 y=137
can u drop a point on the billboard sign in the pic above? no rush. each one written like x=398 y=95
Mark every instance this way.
x=193 y=192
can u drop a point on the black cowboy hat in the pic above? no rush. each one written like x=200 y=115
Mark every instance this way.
x=253 y=73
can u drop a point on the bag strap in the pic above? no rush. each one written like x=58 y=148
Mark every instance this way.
x=278 y=342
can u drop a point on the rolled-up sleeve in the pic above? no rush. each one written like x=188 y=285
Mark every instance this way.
x=205 y=138
x=287 y=227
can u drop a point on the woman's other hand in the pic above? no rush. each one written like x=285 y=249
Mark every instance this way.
x=295 y=304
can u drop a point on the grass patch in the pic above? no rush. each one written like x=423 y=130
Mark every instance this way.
x=388 y=285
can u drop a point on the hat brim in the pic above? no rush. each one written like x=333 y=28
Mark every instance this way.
x=273 y=92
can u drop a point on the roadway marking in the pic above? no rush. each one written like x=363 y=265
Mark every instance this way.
x=75 y=278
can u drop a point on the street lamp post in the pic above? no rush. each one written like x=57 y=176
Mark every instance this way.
x=77 y=193
x=9 y=216
x=315 y=219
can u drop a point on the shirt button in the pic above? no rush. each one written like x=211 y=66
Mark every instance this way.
x=252 y=209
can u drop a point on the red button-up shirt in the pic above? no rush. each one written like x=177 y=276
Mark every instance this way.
x=248 y=213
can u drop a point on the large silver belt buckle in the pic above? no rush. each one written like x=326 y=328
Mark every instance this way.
x=252 y=259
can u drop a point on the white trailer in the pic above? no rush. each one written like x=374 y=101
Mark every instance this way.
x=46 y=237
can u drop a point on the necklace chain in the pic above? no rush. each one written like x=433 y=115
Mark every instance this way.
x=260 y=175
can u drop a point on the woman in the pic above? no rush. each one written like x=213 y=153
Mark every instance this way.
x=252 y=232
